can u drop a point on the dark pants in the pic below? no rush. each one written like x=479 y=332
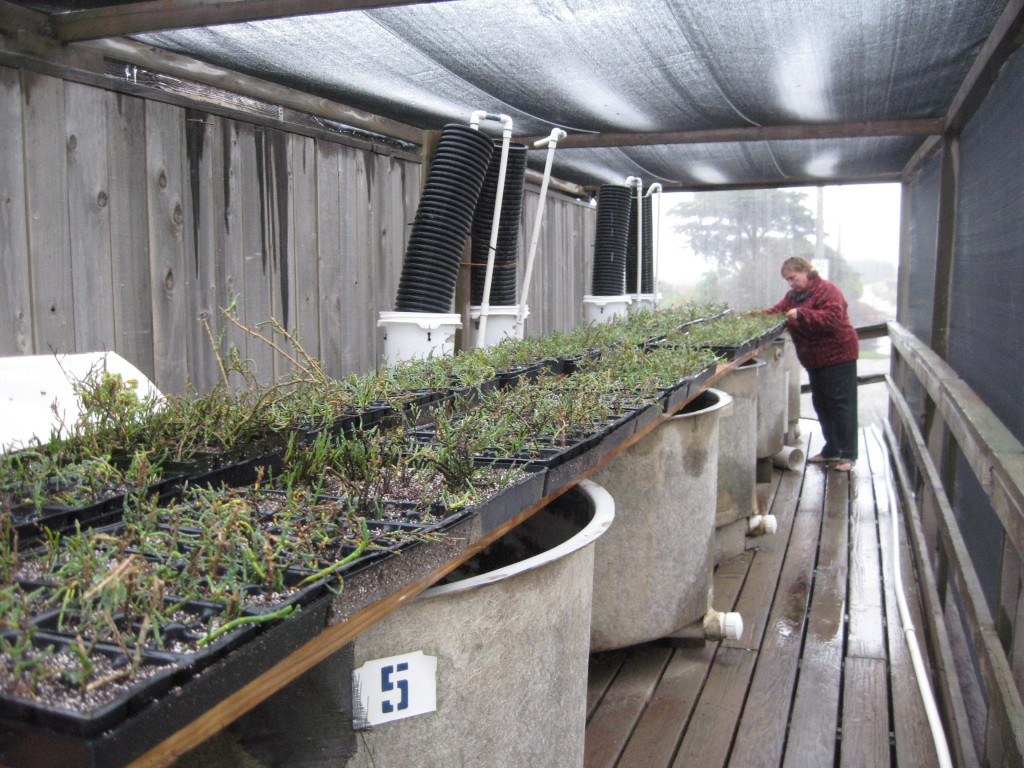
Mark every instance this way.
x=834 y=397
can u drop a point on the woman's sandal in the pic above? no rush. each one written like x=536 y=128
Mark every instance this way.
x=845 y=465
x=821 y=459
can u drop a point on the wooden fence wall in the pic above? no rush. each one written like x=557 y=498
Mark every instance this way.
x=128 y=223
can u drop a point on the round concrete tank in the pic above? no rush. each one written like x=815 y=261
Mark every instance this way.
x=772 y=401
x=510 y=633
x=653 y=569
x=737 y=460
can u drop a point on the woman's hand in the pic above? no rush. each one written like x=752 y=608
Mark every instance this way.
x=792 y=313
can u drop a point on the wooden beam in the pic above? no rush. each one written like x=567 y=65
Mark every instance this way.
x=132 y=52
x=789 y=181
x=14 y=17
x=942 y=290
x=903 y=264
x=110 y=63
x=753 y=133
x=924 y=153
x=1002 y=42
x=157 y=15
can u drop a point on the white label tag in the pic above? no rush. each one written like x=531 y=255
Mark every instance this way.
x=393 y=688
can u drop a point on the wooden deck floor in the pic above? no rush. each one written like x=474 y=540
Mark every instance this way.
x=821 y=676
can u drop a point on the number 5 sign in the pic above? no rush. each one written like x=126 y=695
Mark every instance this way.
x=393 y=688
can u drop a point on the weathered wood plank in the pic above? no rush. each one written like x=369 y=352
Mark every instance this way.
x=1014 y=616
x=812 y=739
x=660 y=729
x=388 y=202
x=303 y=319
x=603 y=669
x=129 y=233
x=610 y=727
x=357 y=326
x=865 y=714
x=329 y=217
x=276 y=221
x=231 y=272
x=256 y=246
x=204 y=245
x=755 y=601
x=761 y=732
x=89 y=217
x=15 y=296
x=46 y=193
x=711 y=728
x=165 y=147
x=866 y=632
x=910 y=728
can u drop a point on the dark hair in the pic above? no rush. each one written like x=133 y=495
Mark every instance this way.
x=799 y=264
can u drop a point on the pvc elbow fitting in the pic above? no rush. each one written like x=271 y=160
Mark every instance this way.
x=762 y=525
x=789 y=458
x=723 y=625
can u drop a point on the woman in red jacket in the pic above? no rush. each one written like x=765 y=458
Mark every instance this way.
x=826 y=345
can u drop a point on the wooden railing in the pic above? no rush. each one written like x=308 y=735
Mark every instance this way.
x=877 y=331
x=952 y=422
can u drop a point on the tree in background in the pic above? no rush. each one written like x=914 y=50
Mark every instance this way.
x=747 y=234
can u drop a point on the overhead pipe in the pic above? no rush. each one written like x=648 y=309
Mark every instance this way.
x=636 y=181
x=655 y=188
x=552 y=142
x=506 y=138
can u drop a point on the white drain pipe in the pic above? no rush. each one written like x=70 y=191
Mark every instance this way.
x=655 y=236
x=551 y=142
x=636 y=181
x=909 y=634
x=506 y=138
x=791 y=458
x=762 y=525
x=722 y=625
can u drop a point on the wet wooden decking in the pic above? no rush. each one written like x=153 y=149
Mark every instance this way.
x=821 y=675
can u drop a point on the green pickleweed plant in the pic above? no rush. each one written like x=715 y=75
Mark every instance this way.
x=733 y=330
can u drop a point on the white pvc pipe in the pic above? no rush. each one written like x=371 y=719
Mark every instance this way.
x=552 y=142
x=636 y=181
x=655 y=234
x=909 y=634
x=722 y=625
x=506 y=137
x=762 y=525
x=791 y=457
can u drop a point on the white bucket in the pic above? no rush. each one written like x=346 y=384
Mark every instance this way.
x=501 y=324
x=410 y=335
x=601 y=309
x=642 y=302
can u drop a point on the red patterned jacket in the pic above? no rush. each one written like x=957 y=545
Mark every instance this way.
x=821 y=330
